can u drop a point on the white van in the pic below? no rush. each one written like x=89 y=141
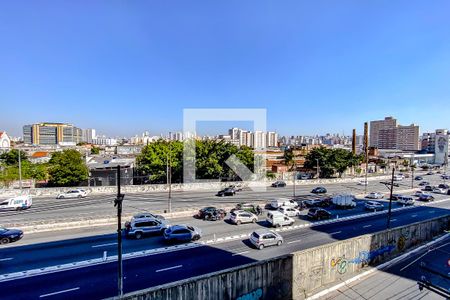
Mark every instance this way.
x=279 y=202
x=405 y=200
x=398 y=177
x=277 y=219
x=17 y=203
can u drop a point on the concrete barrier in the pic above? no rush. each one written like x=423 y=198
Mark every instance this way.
x=149 y=188
x=329 y=264
x=303 y=273
x=270 y=279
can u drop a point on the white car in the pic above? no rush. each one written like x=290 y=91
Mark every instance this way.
x=276 y=203
x=375 y=195
x=405 y=200
x=76 y=193
x=289 y=211
x=373 y=205
x=363 y=182
x=439 y=190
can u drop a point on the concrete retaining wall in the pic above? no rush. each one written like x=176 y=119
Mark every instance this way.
x=147 y=188
x=336 y=262
x=270 y=279
x=301 y=274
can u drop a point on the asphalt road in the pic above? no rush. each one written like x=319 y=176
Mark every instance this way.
x=99 y=281
x=399 y=281
x=97 y=206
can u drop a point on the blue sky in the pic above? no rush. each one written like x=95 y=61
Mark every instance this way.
x=123 y=67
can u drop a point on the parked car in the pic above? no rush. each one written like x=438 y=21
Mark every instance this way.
x=363 y=182
x=226 y=192
x=279 y=202
x=289 y=211
x=211 y=213
x=241 y=216
x=428 y=188
x=76 y=193
x=141 y=227
x=438 y=190
x=444 y=186
x=147 y=215
x=250 y=207
x=373 y=205
x=418 y=193
x=279 y=183
x=318 y=214
x=398 y=177
x=182 y=233
x=17 y=203
x=418 y=178
x=424 y=183
x=304 y=177
x=262 y=238
x=426 y=197
x=319 y=190
x=313 y=202
x=431 y=173
x=375 y=195
x=395 y=196
x=277 y=219
x=446 y=177
x=406 y=200
x=10 y=235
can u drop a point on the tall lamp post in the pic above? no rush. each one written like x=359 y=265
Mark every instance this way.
x=169 y=180
x=20 y=172
x=295 y=177
x=118 y=203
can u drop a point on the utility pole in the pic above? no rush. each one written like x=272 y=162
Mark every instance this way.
x=366 y=152
x=295 y=175
x=118 y=202
x=20 y=172
x=390 y=200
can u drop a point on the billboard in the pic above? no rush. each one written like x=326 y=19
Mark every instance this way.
x=441 y=149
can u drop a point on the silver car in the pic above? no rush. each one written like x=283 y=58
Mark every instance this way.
x=241 y=216
x=263 y=238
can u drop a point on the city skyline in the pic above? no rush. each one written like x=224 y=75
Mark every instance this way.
x=140 y=65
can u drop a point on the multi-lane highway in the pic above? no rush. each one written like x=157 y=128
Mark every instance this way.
x=45 y=209
x=99 y=281
x=41 y=250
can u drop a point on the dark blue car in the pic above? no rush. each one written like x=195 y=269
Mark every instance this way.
x=10 y=235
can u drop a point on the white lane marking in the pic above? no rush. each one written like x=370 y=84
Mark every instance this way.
x=393 y=220
x=60 y=292
x=6 y=258
x=170 y=268
x=234 y=254
x=104 y=245
x=367 y=226
x=413 y=216
x=296 y=241
x=337 y=232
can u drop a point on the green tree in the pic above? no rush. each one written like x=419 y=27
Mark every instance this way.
x=331 y=161
x=95 y=150
x=67 y=168
x=12 y=157
x=210 y=160
x=288 y=158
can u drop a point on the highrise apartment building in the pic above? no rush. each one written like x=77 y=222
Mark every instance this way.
x=51 y=134
x=387 y=134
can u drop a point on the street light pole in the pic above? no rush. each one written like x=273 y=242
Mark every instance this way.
x=390 y=200
x=169 y=180
x=118 y=202
x=295 y=176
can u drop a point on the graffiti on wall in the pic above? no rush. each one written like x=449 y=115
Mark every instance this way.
x=253 y=295
x=364 y=258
